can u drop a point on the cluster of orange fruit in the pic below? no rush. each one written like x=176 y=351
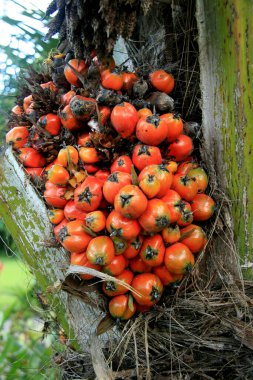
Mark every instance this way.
x=123 y=198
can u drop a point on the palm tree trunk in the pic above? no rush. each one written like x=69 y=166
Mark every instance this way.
x=226 y=51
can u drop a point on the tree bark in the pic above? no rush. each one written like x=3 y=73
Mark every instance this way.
x=226 y=71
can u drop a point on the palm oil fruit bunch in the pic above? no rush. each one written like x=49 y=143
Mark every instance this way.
x=126 y=196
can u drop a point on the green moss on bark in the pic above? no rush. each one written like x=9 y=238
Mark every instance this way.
x=229 y=66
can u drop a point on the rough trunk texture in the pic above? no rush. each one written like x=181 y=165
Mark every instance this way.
x=226 y=69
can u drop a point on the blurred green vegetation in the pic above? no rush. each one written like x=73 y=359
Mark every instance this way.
x=15 y=280
x=27 y=343
x=26 y=351
x=6 y=103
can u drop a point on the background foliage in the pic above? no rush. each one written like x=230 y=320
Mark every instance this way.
x=24 y=47
x=25 y=353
